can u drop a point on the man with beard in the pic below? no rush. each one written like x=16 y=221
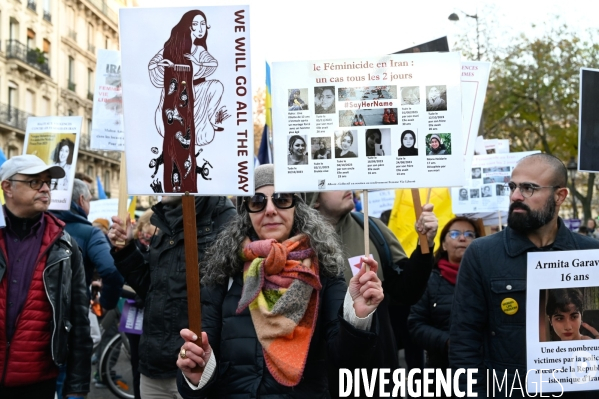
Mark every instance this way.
x=484 y=334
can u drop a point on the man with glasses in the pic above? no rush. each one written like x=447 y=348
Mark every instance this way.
x=160 y=282
x=484 y=334
x=43 y=297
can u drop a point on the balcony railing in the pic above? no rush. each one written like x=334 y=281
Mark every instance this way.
x=90 y=96
x=71 y=86
x=47 y=16
x=72 y=34
x=91 y=48
x=13 y=117
x=33 y=57
x=31 y=5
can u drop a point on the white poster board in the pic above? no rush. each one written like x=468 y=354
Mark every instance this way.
x=55 y=140
x=341 y=124
x=486 y=191
x=379 y=201
x=571 y=360
x=105 y=209
x=188 y=104
x=475 y=77
x=107 y=122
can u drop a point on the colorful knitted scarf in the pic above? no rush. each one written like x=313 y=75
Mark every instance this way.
x=280 y=286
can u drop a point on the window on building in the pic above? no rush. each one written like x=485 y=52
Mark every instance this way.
x=107 y=181
x=70 y=112
x=90 y=81
x=30 y=102
x=106 y=42
x=46 y=48
x=71 y=70
x=90 y=171
x=89 y=126
x=13 y=100
x=91 y=37
x=30 y=39
x=46 y=111
x=13 y=30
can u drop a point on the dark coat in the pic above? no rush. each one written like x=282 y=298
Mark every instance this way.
x=241 y=371
x=96 y=254
x=429 y=320
x=483 y=336
x=161 y=281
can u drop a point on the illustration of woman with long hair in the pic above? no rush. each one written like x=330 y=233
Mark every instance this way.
x=188 y=110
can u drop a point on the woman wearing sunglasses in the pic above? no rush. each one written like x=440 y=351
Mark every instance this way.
x=278 y=317
x=429 y=318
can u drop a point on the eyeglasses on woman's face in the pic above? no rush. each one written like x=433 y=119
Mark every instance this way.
x=455 y=234
x=258 y=201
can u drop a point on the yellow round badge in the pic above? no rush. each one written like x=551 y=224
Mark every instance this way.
x=509 y=306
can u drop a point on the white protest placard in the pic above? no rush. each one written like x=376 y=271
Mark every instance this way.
x=55 y=140
x=475 y=77
x=560 y=297
x=369 y=123
x=105 y=209
x=187 y=100
x=486 y=190
x=107 y=122
x=379 y=201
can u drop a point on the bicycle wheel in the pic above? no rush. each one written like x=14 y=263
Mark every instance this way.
x=115 y=367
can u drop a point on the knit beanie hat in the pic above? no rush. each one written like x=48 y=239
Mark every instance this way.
x=436 y=136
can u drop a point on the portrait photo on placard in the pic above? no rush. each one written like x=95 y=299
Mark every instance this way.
x=436 y=98
x=408 y=144
x=321 y=147
x=298 y=150
x=378 y=142
x=324 y=100
x=474 y=193
x=463 y=194
x=410 y=95
x=487 y=191
x=438 y=144
x=297 y=100
x=476 y=173
x=568 y=314
x=346 y=144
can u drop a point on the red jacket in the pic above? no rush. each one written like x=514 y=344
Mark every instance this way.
x=27 y=359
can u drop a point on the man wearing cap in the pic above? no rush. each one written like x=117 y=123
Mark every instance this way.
x=43 y=297
x=160 y=281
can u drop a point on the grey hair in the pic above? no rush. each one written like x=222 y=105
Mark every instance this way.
x=79 y=188
x=222 y=258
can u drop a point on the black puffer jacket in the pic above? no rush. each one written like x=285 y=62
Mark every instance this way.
x=430 y=319
x=161 y=280
x=241 y=371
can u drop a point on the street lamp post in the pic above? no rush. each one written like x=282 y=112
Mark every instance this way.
x=454 y=17
x=572 y=169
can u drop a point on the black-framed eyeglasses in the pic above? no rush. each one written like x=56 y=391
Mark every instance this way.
x=36 y=184
x=455 y=234
x=258 y=201
x=526 y=189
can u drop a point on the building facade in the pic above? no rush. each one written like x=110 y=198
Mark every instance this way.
x=47 y=68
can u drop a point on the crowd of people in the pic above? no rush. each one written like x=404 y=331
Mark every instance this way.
x=288 y=296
